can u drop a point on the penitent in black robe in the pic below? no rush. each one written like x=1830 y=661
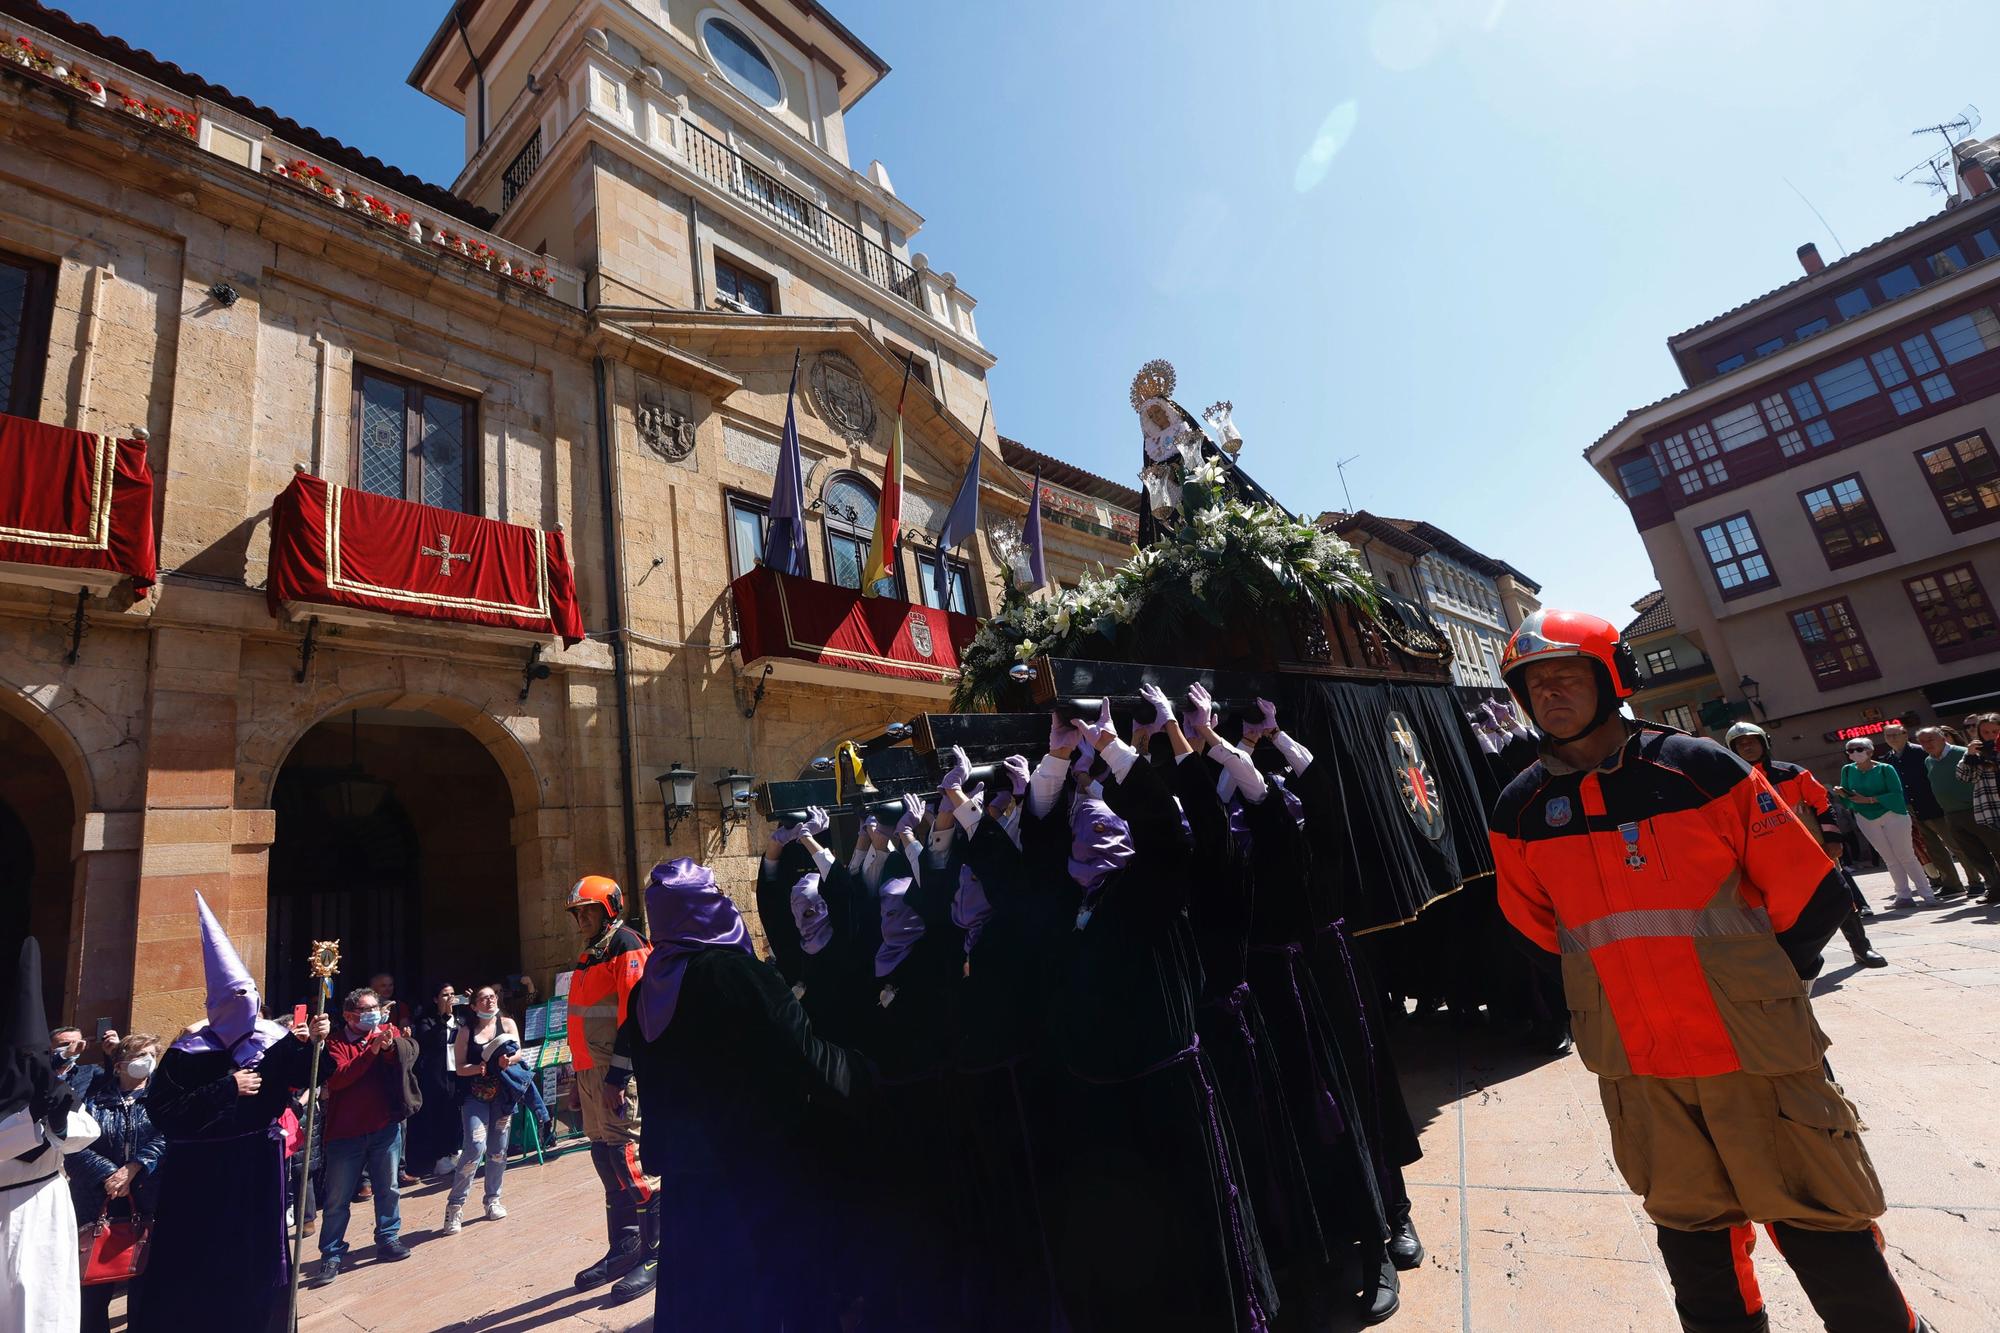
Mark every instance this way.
x=219 y=1256
x=1147 y=1221
x=737 y=1090
x=1235 y=1034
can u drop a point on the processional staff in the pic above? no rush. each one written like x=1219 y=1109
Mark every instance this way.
x=324 y=961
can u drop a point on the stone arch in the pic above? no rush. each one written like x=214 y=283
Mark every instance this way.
x=33 y=709
x=264 y=752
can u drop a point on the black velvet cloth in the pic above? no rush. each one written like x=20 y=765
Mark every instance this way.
x=1388 y=870
x=742 y=1106
x=219 y=1242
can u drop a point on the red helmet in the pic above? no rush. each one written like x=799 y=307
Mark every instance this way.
x=1549 y=634
x=603 y=892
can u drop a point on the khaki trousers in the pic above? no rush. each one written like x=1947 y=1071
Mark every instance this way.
x=1710 y=1153
x=599 y=1125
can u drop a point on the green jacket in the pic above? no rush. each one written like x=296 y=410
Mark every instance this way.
x=1880 y=781
x=1953 y=793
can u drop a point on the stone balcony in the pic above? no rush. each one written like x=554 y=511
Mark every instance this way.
x=224 y=131
x=579 y=91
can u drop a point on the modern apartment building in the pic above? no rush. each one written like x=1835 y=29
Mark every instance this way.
x=1820 y=501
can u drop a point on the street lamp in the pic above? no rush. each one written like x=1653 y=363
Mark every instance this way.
x=676 y=795
x=734 y=789
x=1751 y=689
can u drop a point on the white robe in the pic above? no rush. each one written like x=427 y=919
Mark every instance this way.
x=39 y=1288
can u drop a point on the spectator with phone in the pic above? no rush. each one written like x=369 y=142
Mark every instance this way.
x=1978 y=844
x=1981 y=767
x=115 y=1177
x=431 y=1138
x=1874 y=792
x=364 y=1118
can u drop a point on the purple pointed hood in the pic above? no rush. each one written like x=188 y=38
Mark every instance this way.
x=809 y=914
x=685 y=913
x=234 y=1025
x=901 y=926
x=1100 y=843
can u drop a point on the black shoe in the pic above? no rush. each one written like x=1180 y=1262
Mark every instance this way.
x=391 y=1250
x=1869 y=958
x=636 y=1283
x=329 y=1269
x=1380 y=1300
x=1406 y=1251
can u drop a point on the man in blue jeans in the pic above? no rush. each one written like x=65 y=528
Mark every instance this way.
x=363 y=1118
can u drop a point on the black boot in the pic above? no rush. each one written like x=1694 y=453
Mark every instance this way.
x=646 y=1274
x=1381 y=1291
x=621 y=1219
x=1857 y=940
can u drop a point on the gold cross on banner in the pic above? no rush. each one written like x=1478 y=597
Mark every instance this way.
x=444 y=554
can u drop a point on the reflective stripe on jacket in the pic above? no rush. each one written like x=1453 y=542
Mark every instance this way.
x=597 y=996
x=1661 y=877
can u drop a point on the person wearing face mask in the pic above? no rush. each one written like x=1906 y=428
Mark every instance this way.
x=432 y=1135
x=485 y=1046
x=364 y=1119
x=66 y=1054
x=117 y=1176
x=220 y=1089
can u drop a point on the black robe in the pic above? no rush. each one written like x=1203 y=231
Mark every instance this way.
x=1234 y=1033
x=219 y=1250
x=1147 y=1223
x=737 y=1091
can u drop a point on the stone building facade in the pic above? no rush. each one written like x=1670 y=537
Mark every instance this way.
x=1676 y=680
x=592 y=330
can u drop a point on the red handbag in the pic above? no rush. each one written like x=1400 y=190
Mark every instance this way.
x=112 y=1250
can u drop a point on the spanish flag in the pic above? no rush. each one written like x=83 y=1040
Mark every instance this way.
x=889 y=513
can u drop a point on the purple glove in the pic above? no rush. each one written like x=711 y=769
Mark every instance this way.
x=865 y=835
x=960 y=769
x=1200 y=711
x=975 y=791
x=1163 y=712
x=1063 y=735
x=1263 y=726
x=1102 y=732
x=816 y=823
x=913 y=814
x=786 y=834
x=1017 y=774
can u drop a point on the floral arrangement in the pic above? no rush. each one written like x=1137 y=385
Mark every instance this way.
x=166 y=117
x=381 y=211
x=1228 y=563
x=304 y=174
x=23 y=51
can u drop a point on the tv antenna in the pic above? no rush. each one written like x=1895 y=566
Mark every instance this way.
x=1939 y=166
x=1341 y=468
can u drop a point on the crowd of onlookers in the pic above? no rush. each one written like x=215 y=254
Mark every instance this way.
x=458 y=1061
x=1924 y=803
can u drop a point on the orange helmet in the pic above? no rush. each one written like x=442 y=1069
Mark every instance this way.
x=1548 y=634
x=602 y=891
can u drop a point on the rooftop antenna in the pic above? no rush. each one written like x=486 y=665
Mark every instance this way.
x=1341 y=468
x=1939 y=166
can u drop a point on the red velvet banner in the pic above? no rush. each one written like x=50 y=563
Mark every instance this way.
x=75 y=500
x=342 y=547
x=816 y=622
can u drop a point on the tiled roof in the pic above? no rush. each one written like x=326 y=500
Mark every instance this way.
x=1416 y=537
x=144 y=63
x=1068 y=475
x=1654 y=617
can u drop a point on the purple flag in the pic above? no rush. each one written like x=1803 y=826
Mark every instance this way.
x=959 y=524
x=1031 y=536
x=785 y=535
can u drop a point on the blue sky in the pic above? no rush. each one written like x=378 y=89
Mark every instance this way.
x=1447 y=236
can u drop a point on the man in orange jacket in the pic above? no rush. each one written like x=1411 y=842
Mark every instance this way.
x=1687 y=901
x=612 y=961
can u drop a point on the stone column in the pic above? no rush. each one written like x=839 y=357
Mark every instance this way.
x=544 y=868
x=189 y=834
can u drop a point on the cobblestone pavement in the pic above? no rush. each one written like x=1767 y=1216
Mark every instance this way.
x=1524 y=1217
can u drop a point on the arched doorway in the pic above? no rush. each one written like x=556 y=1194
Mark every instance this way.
x=393 y=838
x=37 y=832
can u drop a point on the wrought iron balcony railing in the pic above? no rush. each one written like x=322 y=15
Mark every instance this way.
x=723 y=166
